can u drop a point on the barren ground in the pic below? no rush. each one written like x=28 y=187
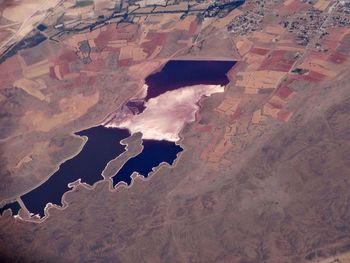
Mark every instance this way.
x=265 y=172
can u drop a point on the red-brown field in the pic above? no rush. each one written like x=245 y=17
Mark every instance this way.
x=264 y=175
x=337 y=57
x=284 y=91
x=310 y=76
x=259 y=51
x=153 y=39
x=279 y=60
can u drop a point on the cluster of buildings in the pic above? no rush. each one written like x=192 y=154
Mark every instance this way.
x=341 y=14
x=306 y=26
x=248 y=22
x=315 y=22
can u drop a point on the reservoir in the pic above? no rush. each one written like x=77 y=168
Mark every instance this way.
x=183 y=73
x=102 y=146
x=152 y=155
x=13 y=206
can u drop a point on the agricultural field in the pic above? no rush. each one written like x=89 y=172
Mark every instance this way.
x=263 y=174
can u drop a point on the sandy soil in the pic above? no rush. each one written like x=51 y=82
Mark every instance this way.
x=264 y=175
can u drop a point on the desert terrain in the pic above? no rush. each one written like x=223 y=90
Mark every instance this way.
x=264 y=175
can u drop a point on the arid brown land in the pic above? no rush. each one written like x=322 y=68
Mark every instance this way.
x=265 y=172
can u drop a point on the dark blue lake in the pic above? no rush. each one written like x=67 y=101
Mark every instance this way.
x=13 y=206
x=102 y=146
x=153 y=154
x=183 y=73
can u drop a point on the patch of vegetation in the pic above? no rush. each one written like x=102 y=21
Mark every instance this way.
x=83 y=3
x=41 y=27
